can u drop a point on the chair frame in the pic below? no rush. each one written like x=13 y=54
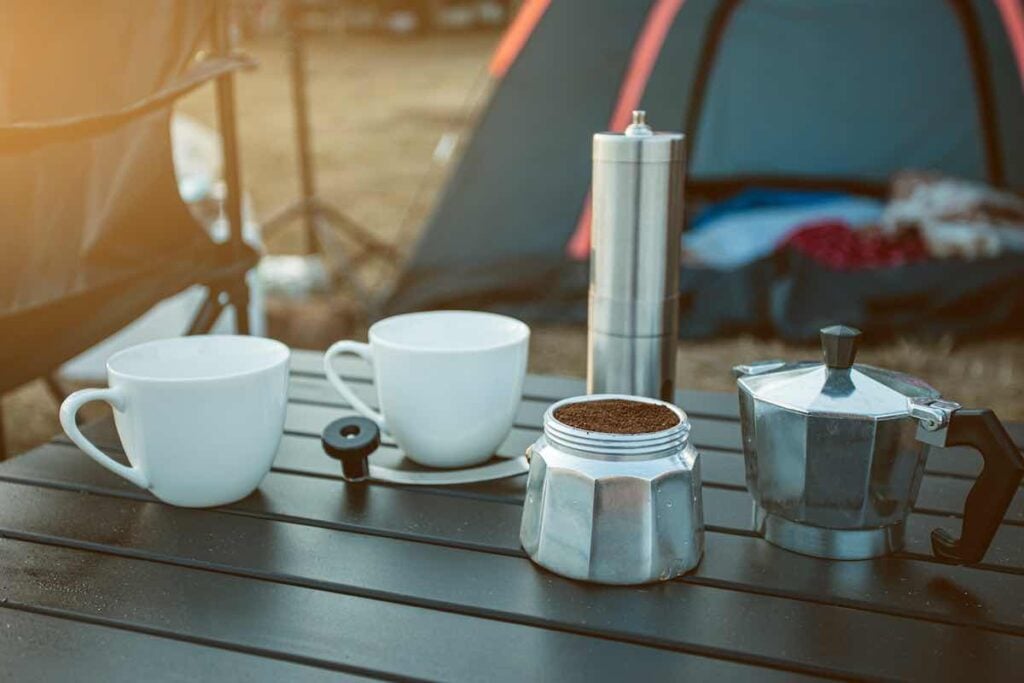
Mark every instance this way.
x=231 y=290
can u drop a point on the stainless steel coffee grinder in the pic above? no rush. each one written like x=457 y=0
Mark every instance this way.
x=634 y=261
x=835 y=453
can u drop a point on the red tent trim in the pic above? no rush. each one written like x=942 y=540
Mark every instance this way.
x=1012 y=13
x=519 y=31
x=645 y=56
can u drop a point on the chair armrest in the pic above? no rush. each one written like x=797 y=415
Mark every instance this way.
x=20 y=137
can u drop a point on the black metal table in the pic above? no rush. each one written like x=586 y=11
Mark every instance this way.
x=310 y=579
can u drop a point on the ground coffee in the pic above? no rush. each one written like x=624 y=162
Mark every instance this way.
x=617 y=416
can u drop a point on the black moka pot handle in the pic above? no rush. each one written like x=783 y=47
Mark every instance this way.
x=992 y=492
x=352 y=440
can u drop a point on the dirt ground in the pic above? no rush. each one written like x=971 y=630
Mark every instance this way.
x=379 y=108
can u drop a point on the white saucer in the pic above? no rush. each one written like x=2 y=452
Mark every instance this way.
x=406 y=472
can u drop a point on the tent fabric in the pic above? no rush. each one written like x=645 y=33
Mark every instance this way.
x=93 y=228
x=645 y=55
x=776 y=93
x=508 y=210
x=839 y=64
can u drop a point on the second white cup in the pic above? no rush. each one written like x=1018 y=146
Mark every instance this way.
x=448 y=382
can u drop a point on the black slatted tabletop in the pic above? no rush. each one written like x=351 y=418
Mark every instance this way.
x=310 y=579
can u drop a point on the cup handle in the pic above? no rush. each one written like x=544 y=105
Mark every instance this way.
x=70 y=408
x=364 y=351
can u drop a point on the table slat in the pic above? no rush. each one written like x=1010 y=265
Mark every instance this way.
x=943 y=495
x=940 y=496
x=510 y=588
x=42 y=647
x=710 y=430
x=346 y=631
x=426 y=515
x=493 y=527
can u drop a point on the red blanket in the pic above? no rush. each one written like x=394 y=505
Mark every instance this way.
x=836 y=246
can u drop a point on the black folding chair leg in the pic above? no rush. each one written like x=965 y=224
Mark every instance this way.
x=240 y=301
x=3 y=436
x=208 y=313
x=236 y=294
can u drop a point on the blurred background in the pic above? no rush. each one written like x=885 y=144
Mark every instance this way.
x=448 y=165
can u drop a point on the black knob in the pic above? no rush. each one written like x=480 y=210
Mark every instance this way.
x=839 y=344
x=351 y=440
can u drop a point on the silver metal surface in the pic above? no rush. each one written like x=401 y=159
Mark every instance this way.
x=835 y=544
x=758 y=367
x=639 y=144
x=613 y=508
x=860 y=391
x=933 y=414
x=634 y=269
x=645 y=318
x=645 y=364
x=835 y=450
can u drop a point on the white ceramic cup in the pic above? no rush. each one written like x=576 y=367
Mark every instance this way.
x=448 y=382
x=200 y=418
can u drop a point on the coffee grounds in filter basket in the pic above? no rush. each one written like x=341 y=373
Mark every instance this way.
x=617 y=416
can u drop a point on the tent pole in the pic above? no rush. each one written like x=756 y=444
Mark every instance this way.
x=985 y=99
x=708 y=54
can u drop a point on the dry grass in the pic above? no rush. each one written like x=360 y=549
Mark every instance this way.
x=379 y=108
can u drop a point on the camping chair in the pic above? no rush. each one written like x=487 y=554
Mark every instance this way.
x=93 y=229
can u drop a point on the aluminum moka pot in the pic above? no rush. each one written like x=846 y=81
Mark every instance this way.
x=614 y=508
x=835 y=452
